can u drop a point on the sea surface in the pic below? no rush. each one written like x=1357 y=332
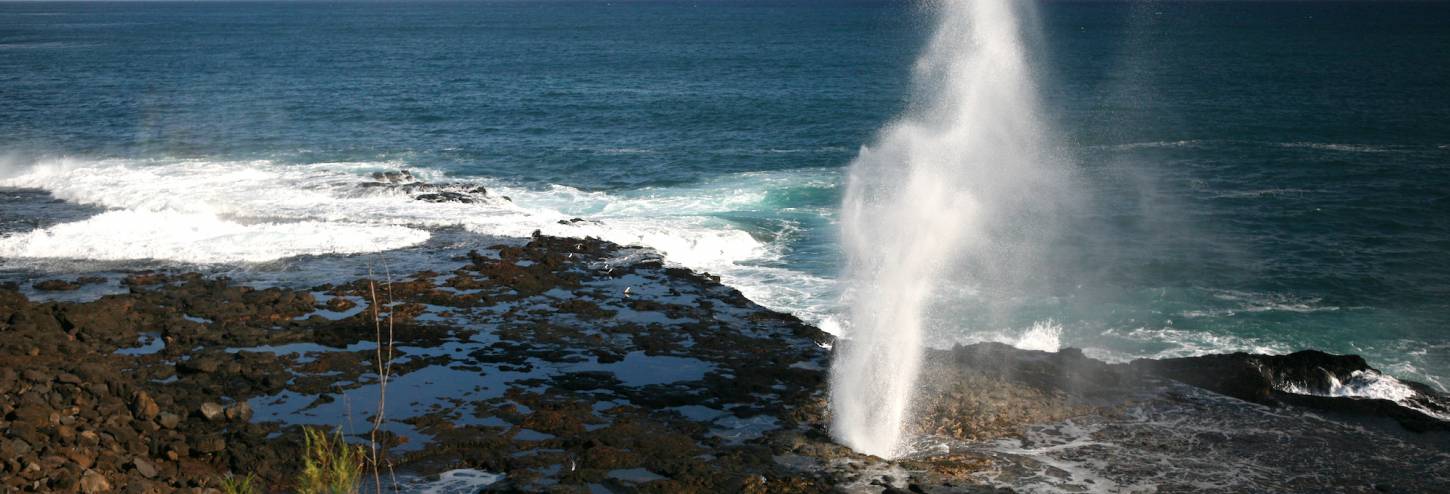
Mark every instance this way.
x=1261 y=176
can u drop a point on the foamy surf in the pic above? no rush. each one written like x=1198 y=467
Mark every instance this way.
x=1042 y=336
x=200 y=238
x=217 y=212
x=1367 y=384
x=214 y=212
x=458 y=481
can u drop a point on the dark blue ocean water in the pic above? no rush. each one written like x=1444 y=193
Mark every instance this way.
x=1264 y=176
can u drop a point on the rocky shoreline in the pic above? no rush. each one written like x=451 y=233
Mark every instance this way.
x=576 y=365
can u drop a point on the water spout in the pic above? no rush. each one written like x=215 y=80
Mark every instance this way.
x=953 y=189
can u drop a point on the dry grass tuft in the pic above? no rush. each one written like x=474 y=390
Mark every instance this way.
x=329 y=464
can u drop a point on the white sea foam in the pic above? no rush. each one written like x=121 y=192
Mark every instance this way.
x=1043 y=336
x=37 y=45
x=1366 y=384
x=1261 y=193
x=1163 y=343
x=1153 y=145
x=1262 y=302
x=461 y=481
x=200 y=238
x=1416 y=353
x=206 y=211
x=1330 y=146
x=1186 y=439
x=1160 y=343
x=1361 y=384
x=1195 y=143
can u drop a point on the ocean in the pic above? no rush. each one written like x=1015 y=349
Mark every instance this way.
x=1259 y=176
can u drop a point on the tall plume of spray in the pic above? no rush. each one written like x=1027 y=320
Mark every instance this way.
x=957 y=192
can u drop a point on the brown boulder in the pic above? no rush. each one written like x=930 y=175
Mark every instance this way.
x=200 y=365
x=13 y=448
x=81 y=456
x=32 y=471
x=36 y=415
x=239 y=412
x=89 y=439
x=93 y=482
x=210 y=444
x=143 y=406
x=144 y=467
x=34 y=375
x=65 y=433
x=211 y=411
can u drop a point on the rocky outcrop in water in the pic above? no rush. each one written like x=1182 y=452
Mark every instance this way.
x=1257 y=377
x=1309 y=378
x=404 y=181
x=1217 y=422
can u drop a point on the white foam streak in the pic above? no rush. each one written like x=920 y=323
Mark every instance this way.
x=460 y=481
x=200 y=238
x=1330 y=146
x=1178 y=343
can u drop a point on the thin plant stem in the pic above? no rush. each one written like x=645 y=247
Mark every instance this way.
x=384 y=359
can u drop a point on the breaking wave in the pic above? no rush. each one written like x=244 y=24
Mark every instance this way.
x=1043 y=336
x=1367 y=384
x=201 y=238
x=210 y=212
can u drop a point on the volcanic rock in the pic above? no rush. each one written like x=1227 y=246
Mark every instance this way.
x=211 y=411
x=56 y=286
x=144 y=467
x=200 y=365
x=747 y=414
x=1255 y=377
x=168 y=420
x=239 y=412
x=211 y=443
x=93 y=482
x=89 y=439
x=85 y=457
x=447 y=197
x=143 y=406
x=14 y=448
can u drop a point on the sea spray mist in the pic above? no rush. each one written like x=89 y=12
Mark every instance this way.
x=959 y=191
